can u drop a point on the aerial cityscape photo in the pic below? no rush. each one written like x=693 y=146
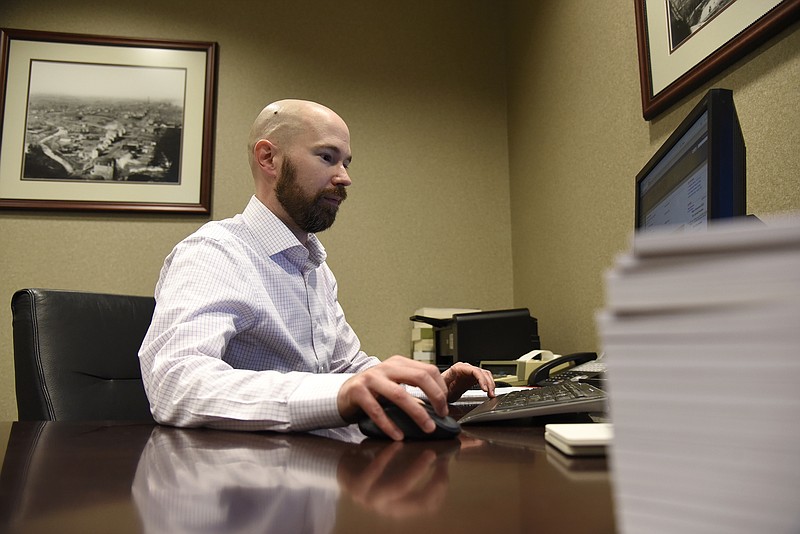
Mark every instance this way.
x=103 y=123
x=687 y=17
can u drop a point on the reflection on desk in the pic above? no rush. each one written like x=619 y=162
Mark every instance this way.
x=78 y=477
x=218 y=481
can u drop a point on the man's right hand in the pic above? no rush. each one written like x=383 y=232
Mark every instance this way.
x=361 y=392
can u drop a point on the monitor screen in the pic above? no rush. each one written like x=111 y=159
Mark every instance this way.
x=698 y=174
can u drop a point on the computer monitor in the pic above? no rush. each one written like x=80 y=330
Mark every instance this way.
x=698 y=174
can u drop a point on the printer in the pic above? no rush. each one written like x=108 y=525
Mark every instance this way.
x=479 y=336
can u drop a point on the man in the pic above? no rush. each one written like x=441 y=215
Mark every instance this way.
x=248 y=332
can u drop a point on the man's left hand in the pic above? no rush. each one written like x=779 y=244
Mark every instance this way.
x=462 y=376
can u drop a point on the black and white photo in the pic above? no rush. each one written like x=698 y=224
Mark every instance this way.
x=686 y=17
x=105 y=123
x=684 y=43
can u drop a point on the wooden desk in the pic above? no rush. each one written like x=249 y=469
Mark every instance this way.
x=94 y=477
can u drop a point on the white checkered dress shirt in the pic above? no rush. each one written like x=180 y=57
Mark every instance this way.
x=248 y=332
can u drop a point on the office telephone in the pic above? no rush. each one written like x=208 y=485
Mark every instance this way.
x=581 y=367
x=516 y=372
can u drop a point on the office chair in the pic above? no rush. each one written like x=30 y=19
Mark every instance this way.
x=76 y=355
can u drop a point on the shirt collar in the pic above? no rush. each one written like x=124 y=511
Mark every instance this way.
x=276 y=237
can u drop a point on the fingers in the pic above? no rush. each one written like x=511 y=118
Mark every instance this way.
x=462 y=376
x=362 y=391
x=411 y=406
x=485 y=380
x=373 y=409
x=483 y=377
x=427 y=377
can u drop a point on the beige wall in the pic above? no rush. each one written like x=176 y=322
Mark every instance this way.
x=445 y=184
x=577 y=140
x=422 y=86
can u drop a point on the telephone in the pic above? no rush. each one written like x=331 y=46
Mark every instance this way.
x=516 y=372
x=581 y=367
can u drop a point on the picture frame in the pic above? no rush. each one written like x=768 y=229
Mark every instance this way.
x=103 y=123
x=679 y=49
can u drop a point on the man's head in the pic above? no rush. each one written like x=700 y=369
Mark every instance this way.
x=299 y=153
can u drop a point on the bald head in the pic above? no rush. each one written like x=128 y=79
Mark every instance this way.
x=282 y=121
x=299 y=154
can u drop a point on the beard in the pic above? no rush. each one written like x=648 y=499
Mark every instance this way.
x=311 y=213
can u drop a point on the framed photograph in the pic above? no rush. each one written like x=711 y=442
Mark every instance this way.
x=683 y=43
x=105 y=123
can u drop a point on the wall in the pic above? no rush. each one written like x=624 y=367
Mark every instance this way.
x=577 y=140
x=422 y=86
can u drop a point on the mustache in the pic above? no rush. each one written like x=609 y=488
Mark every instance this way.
x=337 y=191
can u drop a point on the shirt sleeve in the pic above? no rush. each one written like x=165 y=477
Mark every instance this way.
x=203 y=301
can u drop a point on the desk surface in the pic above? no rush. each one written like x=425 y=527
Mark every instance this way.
x=78 y=477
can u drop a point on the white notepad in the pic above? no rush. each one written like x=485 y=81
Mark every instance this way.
x=579 y=439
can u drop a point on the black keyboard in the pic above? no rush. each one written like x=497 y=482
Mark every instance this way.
x=566 y=397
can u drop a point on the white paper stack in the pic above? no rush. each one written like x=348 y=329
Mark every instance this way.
x=702 y=338
x=422 y=337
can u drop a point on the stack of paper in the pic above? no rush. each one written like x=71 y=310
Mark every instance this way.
x=702 y=339
x=422 y=340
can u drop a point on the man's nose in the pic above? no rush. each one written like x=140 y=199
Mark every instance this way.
x=342 y=177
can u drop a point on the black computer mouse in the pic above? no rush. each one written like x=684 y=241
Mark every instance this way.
x=446 y=427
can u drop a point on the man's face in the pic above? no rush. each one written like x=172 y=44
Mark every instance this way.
x=301 y=164
x=312 y=211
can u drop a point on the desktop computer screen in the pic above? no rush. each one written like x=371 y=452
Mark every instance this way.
x=698 y=174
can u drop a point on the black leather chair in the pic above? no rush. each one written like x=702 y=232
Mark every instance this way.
x=76 y=355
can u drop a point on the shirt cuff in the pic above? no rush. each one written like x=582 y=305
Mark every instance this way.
x=314 y=403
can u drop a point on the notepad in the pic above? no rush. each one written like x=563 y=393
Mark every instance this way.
x=477 y=396
x=579 y=439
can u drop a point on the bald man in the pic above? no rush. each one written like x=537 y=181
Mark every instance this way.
x=248 y=332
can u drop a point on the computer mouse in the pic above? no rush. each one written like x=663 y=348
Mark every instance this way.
x=446 y=427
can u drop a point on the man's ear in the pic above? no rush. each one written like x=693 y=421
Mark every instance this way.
x=266 y=157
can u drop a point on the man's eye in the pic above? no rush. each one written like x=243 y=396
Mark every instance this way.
x=326 y=157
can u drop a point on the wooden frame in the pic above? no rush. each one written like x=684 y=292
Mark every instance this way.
x=105 y=123
x=673 y=63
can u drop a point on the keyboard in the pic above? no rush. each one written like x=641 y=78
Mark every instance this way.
x=566 y=397
x=594 y=366
x=592 y=372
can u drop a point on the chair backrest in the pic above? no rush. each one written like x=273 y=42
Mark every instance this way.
x=76 y=355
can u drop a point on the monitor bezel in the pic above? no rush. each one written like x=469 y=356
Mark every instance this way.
x=726 y=157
